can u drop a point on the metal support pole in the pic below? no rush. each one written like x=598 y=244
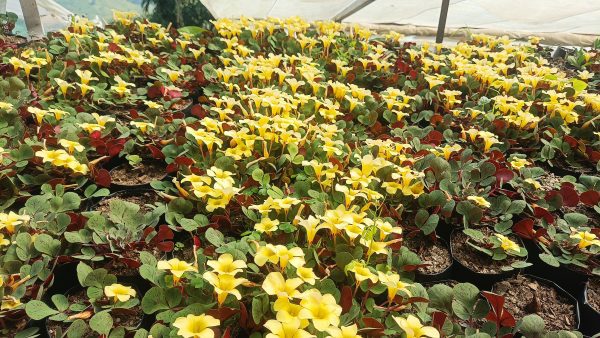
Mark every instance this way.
x=354 y=7
x=439 y=38
x=31 y=14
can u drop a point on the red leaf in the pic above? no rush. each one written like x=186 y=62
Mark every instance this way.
x=222 y=313
x=590 y=198
x=171 y=168
x=569 y=195
x=504 y=175
x=243 y=315
x=524 y=228
x=166 y=246
x=498 y=314
x=182 y=160
x=373 y=327
x=156 y=153
x=102 y=178
x=438 y=319
x=571 y=141
x=346 y=299
x=227 y=333
x=540 y=212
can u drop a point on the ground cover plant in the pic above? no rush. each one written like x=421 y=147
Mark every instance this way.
x=280 y=178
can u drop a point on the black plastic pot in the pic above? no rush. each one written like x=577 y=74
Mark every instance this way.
x=93 y=203
x=445 y=274
x=117 y=162
x=590 y=317
x=562 y=292
x=569 y=279
x=145 y=322
x=483 y=281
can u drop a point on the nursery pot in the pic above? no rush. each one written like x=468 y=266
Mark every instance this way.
x=590 y=317
x=445 y=274
x=117 y=163
x=483 y=281
x=145 y=320
x=567 y=278
x=560 y=292
x=96 y=203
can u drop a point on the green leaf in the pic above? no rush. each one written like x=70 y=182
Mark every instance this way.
x=579 y=85
x=154 y=300
x=549 y=259
x=60 y=302
x=83 y=270
x=37 y=310
x=77 y=329
x=101 y=322
x=214 y=237
x=532 y=326
x=44 y=243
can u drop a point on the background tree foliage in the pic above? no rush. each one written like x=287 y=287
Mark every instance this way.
x=179 y=12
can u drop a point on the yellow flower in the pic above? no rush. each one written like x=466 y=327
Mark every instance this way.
x=536 y=185
x=85 y=88
x=91 y=127
x=350 y=331
x=266 y=225
x=122 y=86
x=172 y=74
x=287 y=329
x=322 y=310
x=281 y=254
x=58 y=113
x=519 y=163
x=225 y=265
x=361 y=272
x=3 y=241
x=152 y=104
x=6 y=106
x=142 y=126
x=63 y=85
x=224 y=285
x=311 y=225
x=413 y=328
x=119 y=292
x=585 y=239
x=85 y=76
x=192 y=326
x=9 y=303
x=480 y=201
x=70 y=146
x=307 y=275
x=394 y=284
x=275 y=284
x=507 y=244
x=38 y=113
x=11 y=220
x=176 y=267
x=447 y=150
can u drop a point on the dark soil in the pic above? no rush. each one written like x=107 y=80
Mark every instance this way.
x=435 y=254
x=144 y=173
x=524 y=295
x=475 y=260
x=144 y=199
x=12 y=39
x=120 y=269
x=128 y=318
x=593 y=293
x=563 y=66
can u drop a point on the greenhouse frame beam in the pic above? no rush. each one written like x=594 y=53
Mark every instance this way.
x=439 y=38
x=352 y=8
x=33 y=21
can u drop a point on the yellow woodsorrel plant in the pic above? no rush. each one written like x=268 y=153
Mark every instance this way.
x=304 y=168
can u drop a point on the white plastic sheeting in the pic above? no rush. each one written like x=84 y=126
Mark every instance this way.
x=53 y=16
x=558 y=21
